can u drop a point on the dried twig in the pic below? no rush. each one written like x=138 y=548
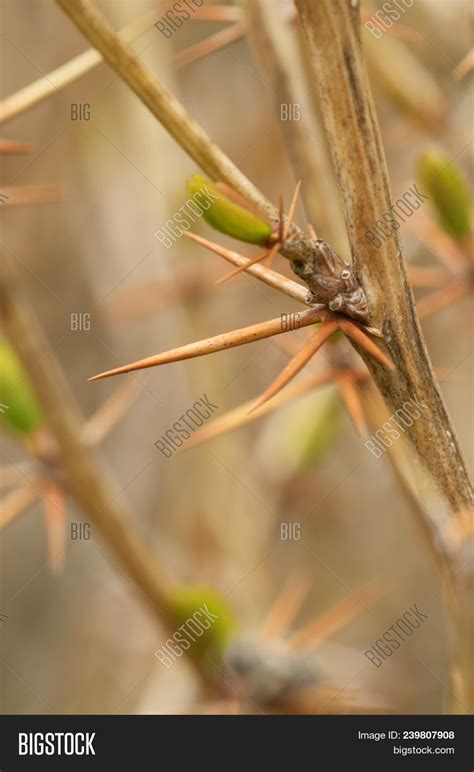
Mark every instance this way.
x=77 y=461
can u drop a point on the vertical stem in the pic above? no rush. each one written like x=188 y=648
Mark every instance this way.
x=332 y=30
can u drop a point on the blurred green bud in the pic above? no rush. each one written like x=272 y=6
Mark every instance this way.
x=299 y=435
x=204 y=620
x=448 y=191
x=224 y=215
x=19 y=409
x=316 y=426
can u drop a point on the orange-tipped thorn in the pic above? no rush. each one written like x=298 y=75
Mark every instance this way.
x=221 y=342
x=331 y=621
x=353 y=404
x=354 y=332
x=286 y=606
x=282 y=236
x=291 y=211
x=298 y=362
x=241 y=415
x=55 y=517
x=251 y=262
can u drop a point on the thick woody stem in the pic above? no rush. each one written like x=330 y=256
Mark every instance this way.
x=332 y=29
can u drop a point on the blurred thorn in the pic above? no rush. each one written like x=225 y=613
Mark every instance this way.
x=107 y=416
x=334 y=700
x=26 y=195
x=12 y=475
x=226 y=707
x=438 y=300
x=218 y=13
x=148 y=297
x=291 y=211
x=331 y=621
x=445 y=374
x=220 y=342
x=406 y=81
x=319 y=337
x=10 y=146
x=352 y=401
x=241 y=415
x=426 y=277
x=286 y=607
x=438 y=242
x=400 y=31
x=54 y=502
x=210 y=45
x=312 y=232
x=15 y=503
x=281 y=211
x=465 y=65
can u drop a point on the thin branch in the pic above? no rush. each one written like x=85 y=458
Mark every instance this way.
x=163 y=105
x=57 y=79
x=78 y=462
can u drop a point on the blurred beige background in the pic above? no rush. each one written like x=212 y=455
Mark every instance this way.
x=84 y=642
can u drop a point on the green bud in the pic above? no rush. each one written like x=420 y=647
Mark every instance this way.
x=204 y=616
x=222 y=214
x=19 y=409
x=447 y=189
x=317 y=426
x=299 y=435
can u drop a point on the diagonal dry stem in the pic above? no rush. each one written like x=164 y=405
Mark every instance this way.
x=162 y=104
x=57 y=79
